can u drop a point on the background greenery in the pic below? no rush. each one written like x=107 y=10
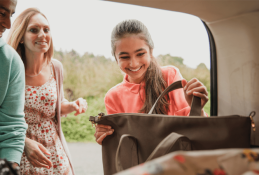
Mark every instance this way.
x=90 y=77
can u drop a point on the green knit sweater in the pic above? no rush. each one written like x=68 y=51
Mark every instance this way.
x=12 y=96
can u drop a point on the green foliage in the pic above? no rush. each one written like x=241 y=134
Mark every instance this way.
x=207 y=105
x=202 y=73
x=170 y=60
x=78 y=128
x=90 y=77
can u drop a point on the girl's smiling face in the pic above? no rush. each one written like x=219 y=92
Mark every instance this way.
x=133 y=57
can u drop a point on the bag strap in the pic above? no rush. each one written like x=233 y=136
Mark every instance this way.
x=134 y=152
x=167 y=144
x=173 y=140
x=196 y=101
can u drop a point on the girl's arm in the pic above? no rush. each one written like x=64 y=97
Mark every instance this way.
x=101 y=131
x=183 y=98
x=195 y=88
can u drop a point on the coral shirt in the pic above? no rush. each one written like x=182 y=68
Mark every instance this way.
x=128 y=97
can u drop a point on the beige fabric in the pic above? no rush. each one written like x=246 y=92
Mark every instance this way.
x=59 y=78
x=217 y=162
x=207 y=10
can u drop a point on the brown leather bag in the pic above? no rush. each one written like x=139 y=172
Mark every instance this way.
x=140 y=137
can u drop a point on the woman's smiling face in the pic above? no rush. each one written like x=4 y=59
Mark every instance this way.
x=133 y=57
x=37 y=37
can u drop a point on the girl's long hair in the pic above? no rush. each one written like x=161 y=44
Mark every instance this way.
x=18 y=30
x=154 y=81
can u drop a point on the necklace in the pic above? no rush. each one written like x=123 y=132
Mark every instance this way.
x=36 y=74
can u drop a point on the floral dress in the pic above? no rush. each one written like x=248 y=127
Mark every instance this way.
x=40 y=110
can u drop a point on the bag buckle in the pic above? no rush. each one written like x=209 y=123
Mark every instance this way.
x=251 y=115
x=96 y=119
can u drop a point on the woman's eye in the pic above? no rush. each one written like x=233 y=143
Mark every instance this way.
x=46 y=30
x=34 y=30
x=140 y=54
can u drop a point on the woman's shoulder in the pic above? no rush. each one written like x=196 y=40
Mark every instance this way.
x=56 y=63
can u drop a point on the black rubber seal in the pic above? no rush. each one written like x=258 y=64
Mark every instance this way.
x=213 y=74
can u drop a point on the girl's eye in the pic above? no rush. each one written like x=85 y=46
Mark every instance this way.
x=140 y=54
x=34 y=30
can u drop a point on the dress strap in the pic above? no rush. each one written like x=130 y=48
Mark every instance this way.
x=51 y=69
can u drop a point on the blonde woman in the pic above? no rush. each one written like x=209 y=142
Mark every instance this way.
x=45 y=149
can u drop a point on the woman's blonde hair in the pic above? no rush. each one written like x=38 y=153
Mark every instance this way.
x=154 y=80
x=18 y=30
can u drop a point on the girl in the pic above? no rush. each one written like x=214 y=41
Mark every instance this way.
x=45 y=150
x=144 y=80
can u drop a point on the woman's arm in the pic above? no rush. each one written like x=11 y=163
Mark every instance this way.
x=80 y=106
x=34 y=152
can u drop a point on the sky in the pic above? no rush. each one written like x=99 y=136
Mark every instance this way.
x=86 y=26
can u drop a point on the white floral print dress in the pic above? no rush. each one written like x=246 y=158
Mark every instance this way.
x=40 y=111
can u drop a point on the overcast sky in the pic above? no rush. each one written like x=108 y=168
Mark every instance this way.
x=86 y=25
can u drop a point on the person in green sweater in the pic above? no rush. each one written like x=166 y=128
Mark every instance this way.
x=12 y=84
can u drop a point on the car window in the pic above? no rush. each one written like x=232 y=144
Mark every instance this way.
x=81 y=35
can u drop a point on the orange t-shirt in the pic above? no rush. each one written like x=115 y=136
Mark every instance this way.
x=128 y=97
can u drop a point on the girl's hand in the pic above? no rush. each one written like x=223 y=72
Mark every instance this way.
x=80 y=106
x=196 y=88
x=34 y=152
x=101 y=131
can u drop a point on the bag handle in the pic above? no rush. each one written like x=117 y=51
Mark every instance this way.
x=163 y=148
x=196 y=101
x=134 y=152
x=167 y=143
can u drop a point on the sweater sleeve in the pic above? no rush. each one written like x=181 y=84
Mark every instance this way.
x=182 y=108
x=12 y=96
x=61 y=87
x=109 y=101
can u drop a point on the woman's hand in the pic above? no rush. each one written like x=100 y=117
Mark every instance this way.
x=101 y=131
x=80 y=106
x=196 y=88
x=34 y=152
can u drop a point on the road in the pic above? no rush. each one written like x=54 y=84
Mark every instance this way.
x=87 y=158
